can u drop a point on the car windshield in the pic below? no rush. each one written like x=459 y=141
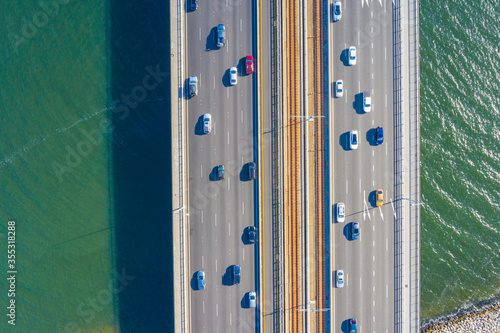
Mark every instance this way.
x=337 y=10
x=354 y=139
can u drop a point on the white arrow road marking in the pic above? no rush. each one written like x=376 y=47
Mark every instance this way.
x=381 y=214
x=365 y=210
x=392 y=204
x=367 y=3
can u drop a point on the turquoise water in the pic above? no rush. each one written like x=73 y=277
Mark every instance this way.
x=460 y=119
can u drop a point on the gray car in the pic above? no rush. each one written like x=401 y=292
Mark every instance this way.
x=252 y=299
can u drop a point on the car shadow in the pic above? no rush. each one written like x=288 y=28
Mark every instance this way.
x=347 y=231
x=198 y=128
x=371 y=137
x=345 y=326
x=241 y=67
x=371 y=198
x=212 y=176
x=344 y=58
x=194 y=281
x=210 y=43
x=244 y=301
x=226 y=278
x=225 y=79
x=357 y=104
x=344 y=141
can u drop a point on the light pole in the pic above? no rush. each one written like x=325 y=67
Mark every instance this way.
x=308 y=118
x=178 y=210
x=418 y=202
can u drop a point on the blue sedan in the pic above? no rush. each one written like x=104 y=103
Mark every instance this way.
x=379 y=135
x=200 y=276
x=354 y=230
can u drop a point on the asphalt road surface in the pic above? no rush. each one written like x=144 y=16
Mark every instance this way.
x=368 y=263
x=220 y=210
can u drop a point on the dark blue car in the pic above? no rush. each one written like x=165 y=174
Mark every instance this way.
x=236 y=274
x=379 y=135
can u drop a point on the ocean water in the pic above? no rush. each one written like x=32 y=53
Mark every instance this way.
x=85 y=165
x=460 y=153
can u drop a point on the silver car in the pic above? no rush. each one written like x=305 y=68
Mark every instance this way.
x=337 y=11
x=340 y=212
x=340 y=278
x=252 y=299
x=207 y=123
x=233 y=76
x=193 y=86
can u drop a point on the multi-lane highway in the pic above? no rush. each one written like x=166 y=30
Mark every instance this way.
x=220 y=210
x=368 y=292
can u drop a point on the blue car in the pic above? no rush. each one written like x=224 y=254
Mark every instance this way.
x=200 y=276
x=236 y=274
x=353 y=326
x=354 y=230
x=379 y=135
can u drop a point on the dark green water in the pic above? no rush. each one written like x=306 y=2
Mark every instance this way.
x=85 y=165
x=460 y=119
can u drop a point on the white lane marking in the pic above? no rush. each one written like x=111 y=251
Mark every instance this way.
x=373 y=261
x=381 y=214
x=241 y=25
x=373 y=122
x=373 y=273
x=230 y=319
x=358 y=38
x=227 y=49
x=373 y=228
x=214 y=82
x=385 y=100
x=385 y=53
x=372 y=73
x=242 y=208
x=217 y=310
x=372 y=63
x=372 y=43
x=386 y=244
x=346 y=186
x=386 y=150
x=347 y=280
x=227 y=137
x=380 y=2
x=214 y=128
x=216 y=265
x=242 y=116
x=359 y=284
x=203 y=306
x=215 y=219
x=373 y=316
x=241 y=160
x=228 y=184
x=386 y=291
x=371 y=15
x=227 y=3
x=373 y=152
x=201 y=167
x=359 y=185
x=201 y=216
x=373 y=288
x=359 y=85
x=373 y=167
x=200 y=33
x=229 y=228
x=373 y=183
x=373 y=243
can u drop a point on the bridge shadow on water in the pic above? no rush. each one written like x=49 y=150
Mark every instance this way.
x=139 y=42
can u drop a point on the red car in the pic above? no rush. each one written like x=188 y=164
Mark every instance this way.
x=249 y=64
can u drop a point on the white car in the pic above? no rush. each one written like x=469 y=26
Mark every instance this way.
x=337 y=11
x=207 y=123
x=340 y=278
x=339 y=88
x=367 y=101
x=353 y=139
x=340 y=212
x=252 y=299
x=351 y=56
x=233 y=76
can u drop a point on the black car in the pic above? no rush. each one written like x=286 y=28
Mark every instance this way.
x=251 y=234
x=194 y=5
x=220 y=172
x=236 y=274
